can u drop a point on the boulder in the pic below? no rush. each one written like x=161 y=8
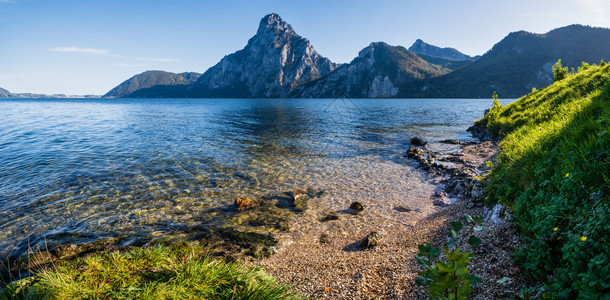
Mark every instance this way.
x=371 y=240
x=244 y=203
x=418 y=141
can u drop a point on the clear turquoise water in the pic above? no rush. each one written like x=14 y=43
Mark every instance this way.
x=82 y=170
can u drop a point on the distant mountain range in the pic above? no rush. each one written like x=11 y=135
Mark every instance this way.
x=278 y=63
x=6 y=94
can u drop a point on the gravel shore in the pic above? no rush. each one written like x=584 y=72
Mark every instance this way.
x=323 y=260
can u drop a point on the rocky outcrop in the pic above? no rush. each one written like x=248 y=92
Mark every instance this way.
x=274 y=63
x=379 y=71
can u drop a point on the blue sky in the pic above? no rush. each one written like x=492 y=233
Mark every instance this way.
x=88 y=47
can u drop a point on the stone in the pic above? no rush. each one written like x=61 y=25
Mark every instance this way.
x=245 y=203
x=324 y=238
x=414 y=152
x=371 y=240
x=67 y=250
x=418 y=141
x=495 y=215
x=300 y=199
x=357 y=206
x=440 y=202
x=439 y=195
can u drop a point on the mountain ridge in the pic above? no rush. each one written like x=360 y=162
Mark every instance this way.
x=278 y=63
x=140 y=84
x=520 y=62
x=421 y=47
x=379 y=71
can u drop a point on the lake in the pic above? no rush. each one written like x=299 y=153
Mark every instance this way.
x=75 y=171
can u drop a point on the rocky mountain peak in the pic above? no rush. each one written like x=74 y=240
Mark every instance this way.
x=274 y=62
x=273 y=23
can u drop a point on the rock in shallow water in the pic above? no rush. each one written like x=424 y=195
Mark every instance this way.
x=371 y=240
x=357 y=206
x=244 y=203
x=418 y=141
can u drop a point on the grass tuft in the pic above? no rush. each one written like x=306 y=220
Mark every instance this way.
x=187 y=272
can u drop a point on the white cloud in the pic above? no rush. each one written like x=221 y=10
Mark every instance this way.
x=81 y=50
x=129 y=65
x=154 y=59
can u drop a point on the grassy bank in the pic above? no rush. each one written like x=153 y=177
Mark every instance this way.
x=174 y=272
x=553 y=170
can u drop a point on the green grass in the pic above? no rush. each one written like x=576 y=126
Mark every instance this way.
x=553 y=170
x=175 y=272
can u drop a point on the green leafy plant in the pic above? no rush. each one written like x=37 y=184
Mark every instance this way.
x=559 y=72
x=449 y=278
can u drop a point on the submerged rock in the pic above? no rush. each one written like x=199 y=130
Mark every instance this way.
x=300 y=199
x=324 y=238
x=245 y=203
x=406 y=209
x=371 y=240
x=451 y=142
x=331 y=216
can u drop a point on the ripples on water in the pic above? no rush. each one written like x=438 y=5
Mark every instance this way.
x=82 y=170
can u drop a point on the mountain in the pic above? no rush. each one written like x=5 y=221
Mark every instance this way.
x=520 y=62
x=154 y=84
x=4 y=93
x=445 y=62
x=274 y=62
x=379 y=71
x=421 y=47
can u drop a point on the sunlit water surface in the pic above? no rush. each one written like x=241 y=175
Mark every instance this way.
x=83 y=170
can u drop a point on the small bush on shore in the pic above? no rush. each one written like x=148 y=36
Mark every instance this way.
x=553 y=170
x=153 y=273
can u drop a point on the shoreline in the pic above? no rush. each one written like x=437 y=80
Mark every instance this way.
x=327 y=263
